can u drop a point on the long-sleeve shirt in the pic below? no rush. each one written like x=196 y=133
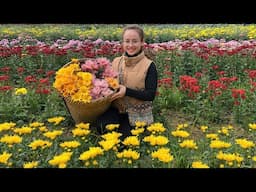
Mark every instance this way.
x=148 y=94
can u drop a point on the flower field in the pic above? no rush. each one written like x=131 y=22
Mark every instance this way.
x=204 y=108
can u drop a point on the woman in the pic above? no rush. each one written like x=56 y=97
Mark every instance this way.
x=138 y=84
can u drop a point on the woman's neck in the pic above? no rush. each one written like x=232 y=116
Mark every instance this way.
x=134 y=59
x=134 y=55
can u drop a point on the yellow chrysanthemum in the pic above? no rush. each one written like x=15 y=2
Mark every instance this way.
x=162 y=154
x=4 y=157
x=30 y=165
x=199 y=165
x=189 y=143
x=61 y=160
x=21 y=91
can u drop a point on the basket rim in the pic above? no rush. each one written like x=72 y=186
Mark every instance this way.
x=100 y=99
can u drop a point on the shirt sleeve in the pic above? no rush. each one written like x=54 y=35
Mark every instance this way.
x=150 y=86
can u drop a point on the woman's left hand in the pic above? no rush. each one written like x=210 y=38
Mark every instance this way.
x=119 y=94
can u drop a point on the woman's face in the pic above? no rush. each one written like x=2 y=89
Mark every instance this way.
x=132 y=42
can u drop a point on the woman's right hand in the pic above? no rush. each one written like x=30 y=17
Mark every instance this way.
x=121 y=93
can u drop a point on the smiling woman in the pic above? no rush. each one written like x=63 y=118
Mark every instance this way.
x=137 y=76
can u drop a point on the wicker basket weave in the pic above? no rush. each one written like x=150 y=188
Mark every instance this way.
x=87 y=112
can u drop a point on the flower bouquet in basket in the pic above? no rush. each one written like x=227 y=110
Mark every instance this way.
x=86 y=86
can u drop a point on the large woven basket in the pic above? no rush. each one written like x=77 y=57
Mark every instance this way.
x=87 y=112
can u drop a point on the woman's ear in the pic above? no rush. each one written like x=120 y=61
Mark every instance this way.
x=143 y=45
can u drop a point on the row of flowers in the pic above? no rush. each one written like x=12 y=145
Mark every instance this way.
x=89 y=48
x=46 y=144
x=155 y=33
